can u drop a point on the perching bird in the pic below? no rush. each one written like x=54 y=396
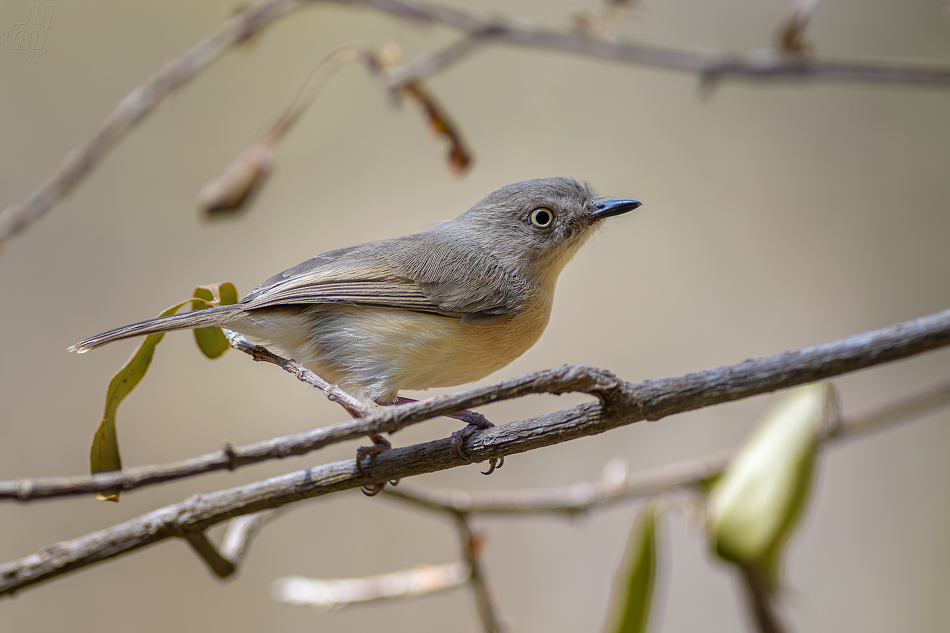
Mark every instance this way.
x=439 y=308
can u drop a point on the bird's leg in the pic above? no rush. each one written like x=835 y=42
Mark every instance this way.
x=380 y=444
x=476 y=422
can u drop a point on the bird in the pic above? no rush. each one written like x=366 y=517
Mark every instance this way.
x=439 y=308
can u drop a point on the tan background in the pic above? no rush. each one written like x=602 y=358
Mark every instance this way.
x=775 y=217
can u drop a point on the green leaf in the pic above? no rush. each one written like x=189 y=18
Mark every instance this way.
x=758 y=501
x=633 y=589
x=211 y=340
x=104 y=454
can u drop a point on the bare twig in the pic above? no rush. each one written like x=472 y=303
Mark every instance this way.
x=620 y=403
x=472 y=545
x=333 y=392
x=206 y=551
x=130 y=110
x=202 y=511
x=760 y=601
x=763 y=65
x=234 y=186
x=241 y=531
x=711 y=66
x=570 y=500
x=912 y=406
x=237 y=539
x=333 y=593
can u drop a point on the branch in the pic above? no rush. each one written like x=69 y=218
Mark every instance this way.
x=200 y=512
x=758 y=66
x=620 y=403
x=134 y=106
x=341 y=592
x=304 y=375
x=711 y=66
x=237 y=539
x=471 y=549
x=611 y=489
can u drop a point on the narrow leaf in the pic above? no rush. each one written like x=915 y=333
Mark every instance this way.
x=757 y=502
x=104 y=454
x=211 y=340
x=633 y=589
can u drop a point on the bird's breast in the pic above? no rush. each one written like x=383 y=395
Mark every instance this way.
x=374 y=352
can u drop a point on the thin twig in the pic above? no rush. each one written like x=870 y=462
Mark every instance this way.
x=206 y=551
x=225 y=561
x=202 y=511
x=711 y=66
x=761 y=65
x=134 y=106
x=234 y=186
x=570 y=500
x=760 y=600
x=241 y=531
x=471 y=550
x=620 y=403
x=332 y=392
x=334 y=593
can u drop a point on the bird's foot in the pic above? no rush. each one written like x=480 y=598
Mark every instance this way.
x=476 y=422
x=380 y=444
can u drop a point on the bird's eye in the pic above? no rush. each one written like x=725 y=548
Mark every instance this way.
x=542 y=218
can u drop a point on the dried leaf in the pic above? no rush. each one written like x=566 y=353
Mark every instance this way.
x=633 y=588
x=104 y=454
x=792 y=34
x=757 y=502
x=233 y=188
x=459 y=157
x=211 y=340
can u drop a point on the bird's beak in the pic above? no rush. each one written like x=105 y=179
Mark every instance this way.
x=610 y=208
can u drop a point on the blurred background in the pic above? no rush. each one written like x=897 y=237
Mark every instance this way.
x=775 y=216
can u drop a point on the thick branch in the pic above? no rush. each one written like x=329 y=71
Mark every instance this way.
x=584 y=497
x=621 y=403
x=481 y=28
x=202 y=511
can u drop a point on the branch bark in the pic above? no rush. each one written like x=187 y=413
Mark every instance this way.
x=621 y=404
x=583 y=497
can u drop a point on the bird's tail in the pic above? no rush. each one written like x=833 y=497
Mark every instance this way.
x=219 y=315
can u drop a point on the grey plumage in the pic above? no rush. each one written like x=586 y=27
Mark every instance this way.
x=437 y=308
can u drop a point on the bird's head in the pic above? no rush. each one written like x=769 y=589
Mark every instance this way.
x=535 y=227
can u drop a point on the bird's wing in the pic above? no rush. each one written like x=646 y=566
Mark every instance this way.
x=404 y=273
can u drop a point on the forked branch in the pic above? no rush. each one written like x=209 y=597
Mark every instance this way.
x=619 y=403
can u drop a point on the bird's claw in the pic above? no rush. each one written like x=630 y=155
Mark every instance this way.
x=380 y=444
x=494 y=463
x=371 y=490
x=476 y=422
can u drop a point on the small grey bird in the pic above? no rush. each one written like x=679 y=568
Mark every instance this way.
x=439 y=308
